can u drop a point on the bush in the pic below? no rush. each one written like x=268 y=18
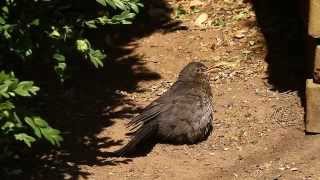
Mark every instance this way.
x=11 y=124
x=50 y=32
x=29 y=28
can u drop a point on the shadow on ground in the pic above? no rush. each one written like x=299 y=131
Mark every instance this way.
x=88 y=103
x=282 y=24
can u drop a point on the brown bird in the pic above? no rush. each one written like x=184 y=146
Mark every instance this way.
x=182 y=115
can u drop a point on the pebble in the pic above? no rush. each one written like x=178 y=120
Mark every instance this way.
x=201 y=19
x=195 y=3
x=294 y=169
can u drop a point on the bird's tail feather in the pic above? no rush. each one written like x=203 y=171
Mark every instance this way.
x=145 y=131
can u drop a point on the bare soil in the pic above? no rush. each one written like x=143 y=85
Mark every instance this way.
x=258 y=129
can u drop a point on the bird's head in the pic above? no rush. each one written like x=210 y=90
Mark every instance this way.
x=194 y=71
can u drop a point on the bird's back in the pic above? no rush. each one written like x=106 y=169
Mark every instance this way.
x=188 y=113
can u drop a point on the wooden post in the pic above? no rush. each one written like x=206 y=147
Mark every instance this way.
x=316 y=69
x=313 y=107
x=313 y=97
x=314 y=18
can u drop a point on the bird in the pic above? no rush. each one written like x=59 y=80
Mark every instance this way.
x=181 y=115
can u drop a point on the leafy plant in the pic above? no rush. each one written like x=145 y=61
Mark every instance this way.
x=52 y=32
x=28 y=28
x=18 y=127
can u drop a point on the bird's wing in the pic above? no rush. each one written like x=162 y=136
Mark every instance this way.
x=154 y=109
x=190 y=112
x=150 y=112
x=163 y=103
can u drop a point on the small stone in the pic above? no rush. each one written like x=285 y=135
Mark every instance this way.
x=67 y=176
x=196 y=3
x=228 y=1
x=203 y=17
x=294 y=169
x=240 y=34
x=70 y=163
x=251 y=43
x=277 y=177
x=246 y=52
x=267 y=165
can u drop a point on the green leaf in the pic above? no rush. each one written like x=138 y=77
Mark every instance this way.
x=42 y=129
x=123 y=16
x=60 y=67
x=140 y=4
x=120 y=4
x=26 y=88
x=35 y=22
x=31 y=123
x=6 y=34
x=7 y=126
x=91 y=24
x=52 y=135
x=55 y=34
x=96 y=57
x=82 y=45
x=6 y=106
x=125 y=22
x=102 y=2
x=3 y=76
x=134 y=7
x=111 y=3
x=104 y=20
x=4 y=89
x=5 y=9
x=40 y=122
x=28 y=140
x=6 y=113
x=2 y=21
x=59 y=57
x=28 y=52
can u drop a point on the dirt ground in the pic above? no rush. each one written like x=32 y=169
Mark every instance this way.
x=258 y=129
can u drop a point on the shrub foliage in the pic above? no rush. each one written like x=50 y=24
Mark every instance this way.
x=50 y=31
